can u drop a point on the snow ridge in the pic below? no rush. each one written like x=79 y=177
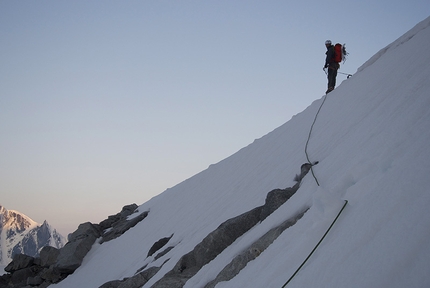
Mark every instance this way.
x=371 y=140
x=406 y=37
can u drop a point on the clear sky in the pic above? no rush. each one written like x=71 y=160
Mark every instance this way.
x=107 y=103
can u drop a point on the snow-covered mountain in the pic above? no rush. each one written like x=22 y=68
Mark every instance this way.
x=371 y=138
x=19 y=234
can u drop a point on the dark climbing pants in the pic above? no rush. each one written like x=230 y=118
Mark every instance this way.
x=331 y=75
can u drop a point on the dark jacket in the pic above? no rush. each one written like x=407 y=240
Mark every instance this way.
x=329 y=59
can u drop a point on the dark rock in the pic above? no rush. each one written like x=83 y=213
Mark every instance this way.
x=224 y=235
x=133 y=282
x=84 y=230
x=54 y=265
x=128 y=210
x=275 y=199
x=304 y=169
x=252 y=252
x=212 y=245
x=112 y=284
x=150 y=272
x=44 y=285
x=122 y=226
x=51 y=275
x=142 y=268
x=48 y=256
x=20 y=261
x=5 y=279
x=158 y=245
x=219 y=239
x=234 y=267
x=37 y=261
x=19 y=277
x=178 y=281
x=111 y=220
x=80 y=242
x=137 y=280
x=164 y=252
x=35 y=281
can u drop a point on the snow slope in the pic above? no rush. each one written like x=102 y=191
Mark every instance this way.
x=372 y=140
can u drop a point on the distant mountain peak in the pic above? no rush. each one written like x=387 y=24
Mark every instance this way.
x=15 y=221
x=19 y=234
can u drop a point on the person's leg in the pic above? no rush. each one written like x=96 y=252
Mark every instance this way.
x=334 y=78
x=331 y=76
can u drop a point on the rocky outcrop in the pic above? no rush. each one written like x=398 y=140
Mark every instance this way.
x=22 y=268
x=48 y=256
x=164 y=252
x=209 y=248
x=158 y=245
x=275 y=199
x=252 y=252
x=216 y=241
x=112 y=220
x=115 y=225
x=138 y=280
x=53 y=265
x=20 y=261
x=144 y=274
x=80 y=242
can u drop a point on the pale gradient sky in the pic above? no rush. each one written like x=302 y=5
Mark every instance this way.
x=107 y=103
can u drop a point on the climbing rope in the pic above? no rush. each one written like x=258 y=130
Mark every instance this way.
x=347 y=74
x=316 y=180
x=338 y=72
x=312 y=126
x=309 y=137
x=322 y=238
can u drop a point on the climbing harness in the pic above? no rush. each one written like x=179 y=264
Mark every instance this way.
x=322 y=238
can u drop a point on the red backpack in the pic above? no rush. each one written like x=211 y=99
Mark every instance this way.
x=337 y=53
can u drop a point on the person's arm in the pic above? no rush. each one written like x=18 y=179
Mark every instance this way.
x=330 y=55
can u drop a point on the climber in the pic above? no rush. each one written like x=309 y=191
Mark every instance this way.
x=332 y=66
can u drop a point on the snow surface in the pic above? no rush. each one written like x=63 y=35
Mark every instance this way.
x=372 y=141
